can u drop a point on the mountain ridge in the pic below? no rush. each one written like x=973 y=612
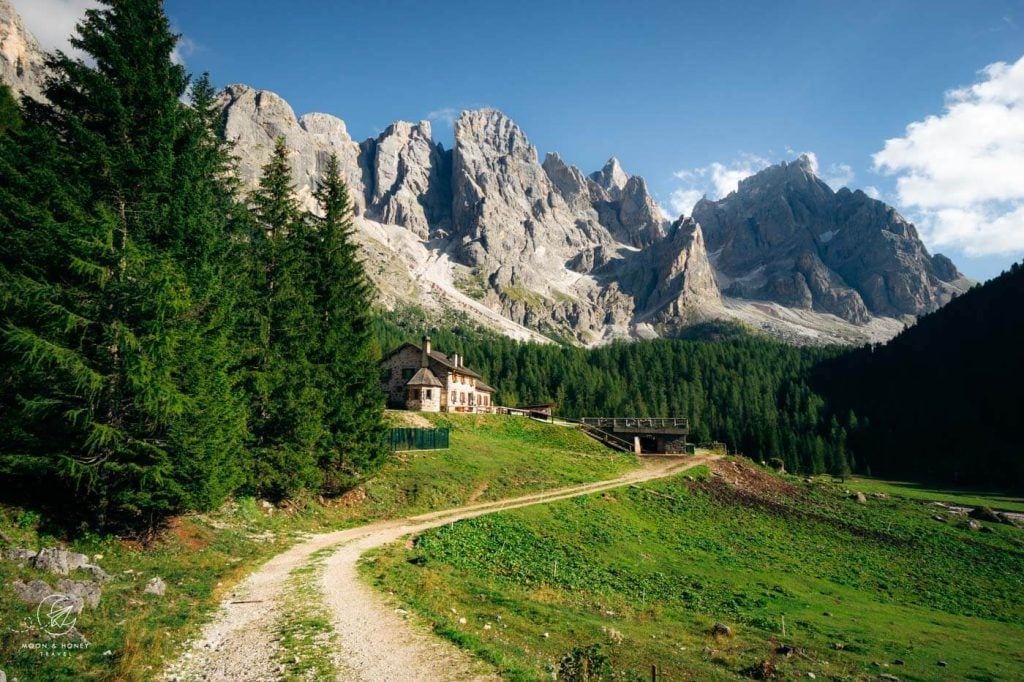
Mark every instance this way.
x=540 y=249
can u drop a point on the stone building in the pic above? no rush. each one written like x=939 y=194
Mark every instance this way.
x=421 y=379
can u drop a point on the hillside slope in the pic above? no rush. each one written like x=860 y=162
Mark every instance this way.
x=943 y=399
x=202 y=557
x=807 y=580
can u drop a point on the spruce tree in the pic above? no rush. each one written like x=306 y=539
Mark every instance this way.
x=287 y=405
x=10 y=113
x=109 y=272
x=346 y=353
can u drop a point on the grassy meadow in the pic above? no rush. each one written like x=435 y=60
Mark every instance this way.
x=811 y=583
x=200 y=556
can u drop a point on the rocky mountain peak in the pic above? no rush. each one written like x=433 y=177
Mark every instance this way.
x=329 y=129
x=22 y=61
x=493 y=131
x=254 y=119
x=410 y=183
x=785 y=236
x=569 y=181
x=611 y=179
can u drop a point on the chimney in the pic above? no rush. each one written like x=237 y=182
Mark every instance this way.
x=426 y=352
x=455 y=359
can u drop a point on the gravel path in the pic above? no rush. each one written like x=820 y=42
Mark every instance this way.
x=377 y=644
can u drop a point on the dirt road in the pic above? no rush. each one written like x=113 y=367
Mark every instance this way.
x=375 y=644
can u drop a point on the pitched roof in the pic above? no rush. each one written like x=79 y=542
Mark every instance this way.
x=424 y=377
x=439 y=358
x=481 y=386
x=446 y=362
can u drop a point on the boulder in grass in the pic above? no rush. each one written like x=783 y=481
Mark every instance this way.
x=85 y=590
x=721 y=630
x=156 y=586
x=19 y=554
x=59 y=561
x=32 y=592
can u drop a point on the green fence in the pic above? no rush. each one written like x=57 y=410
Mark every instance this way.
x=417 y=439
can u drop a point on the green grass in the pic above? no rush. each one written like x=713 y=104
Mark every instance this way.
x=646 y=571
x=305 y=633
x=201 y=556
x=941 y=493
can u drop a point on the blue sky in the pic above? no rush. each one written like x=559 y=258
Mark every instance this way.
x=689 y=95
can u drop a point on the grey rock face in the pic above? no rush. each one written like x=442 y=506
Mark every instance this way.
x=411 y=179
x=509 y=218
x=22 y=62
x=608 y=183
x=784 y=235
x=624 y=206
x=570 y=183
x=254 y=119
x=674 y=284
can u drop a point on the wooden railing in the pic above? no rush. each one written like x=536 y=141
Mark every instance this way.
x=629 y=423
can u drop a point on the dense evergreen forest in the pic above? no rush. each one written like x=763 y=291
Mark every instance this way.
x=750 y=392
x=944 y=400
x=163 y=342
x=941 y=402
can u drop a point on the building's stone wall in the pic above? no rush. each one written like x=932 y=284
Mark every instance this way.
x=393 y=378
x=423 y=399
x=458 y=392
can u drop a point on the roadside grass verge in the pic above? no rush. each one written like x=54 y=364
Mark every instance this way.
x=307 y=637
x=132 y=635
x=855 y=590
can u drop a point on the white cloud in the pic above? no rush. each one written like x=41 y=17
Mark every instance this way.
x=682 y=201
x=838 y=175
x=716 y=180
x=872 y=192
x=53 y=22
x=184 y=49
x=446 y=115
x=961 y=172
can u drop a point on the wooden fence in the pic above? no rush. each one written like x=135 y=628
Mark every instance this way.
x=416 y=439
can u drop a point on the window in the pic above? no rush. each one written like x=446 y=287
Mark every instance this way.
x=462 y=398
x=385 y=376
x=471 y=398
x=407 y=373
x=455 y=397
x=429 y=394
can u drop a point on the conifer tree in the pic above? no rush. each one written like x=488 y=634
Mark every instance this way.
x=10 y=113
x=109 y=307
x=287 y=405
x=347 y=352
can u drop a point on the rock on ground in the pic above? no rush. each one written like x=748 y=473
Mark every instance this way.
x=32 y=592
x=59 y=561
x=85 y=590
x=156 y=586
